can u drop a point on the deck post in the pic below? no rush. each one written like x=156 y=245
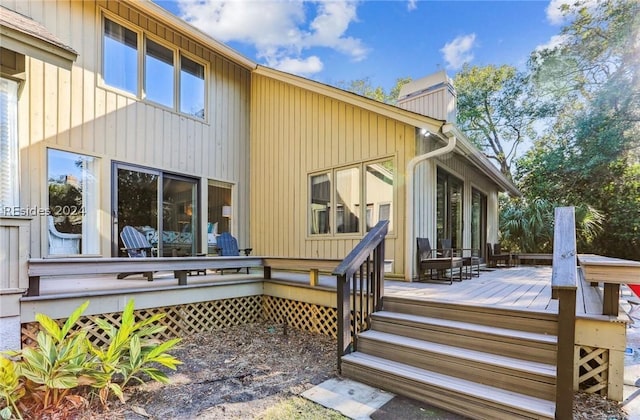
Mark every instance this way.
x=564 y=285
x=344 y=319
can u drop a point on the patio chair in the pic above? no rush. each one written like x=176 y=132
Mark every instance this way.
x=438 y=261
x=137 y=246
x=495 y=255
x=470 y=258
x=61 y=243
x=228 y=247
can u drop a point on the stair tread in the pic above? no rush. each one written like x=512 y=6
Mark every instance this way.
x=479 y=328
x=528 y=366
x=452 y=384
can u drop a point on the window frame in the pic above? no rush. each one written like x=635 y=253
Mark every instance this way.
x=362 y=207
x=177 y=53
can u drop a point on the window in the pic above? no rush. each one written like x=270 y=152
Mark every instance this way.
x=320 y=203
x=449 y=209
x=478 y=221
x=73 y=203
x=159 y=72
x=347 y=192
x=191 y=87
x=120 y=57
x=219 y=212
x=8 y=146
x=347 y=200
x=162 y=69
x=379 y=187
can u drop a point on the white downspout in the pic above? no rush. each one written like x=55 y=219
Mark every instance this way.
x=409 y=263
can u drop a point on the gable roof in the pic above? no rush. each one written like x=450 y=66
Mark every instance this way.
x=26 y=36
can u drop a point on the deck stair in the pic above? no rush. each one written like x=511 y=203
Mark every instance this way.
x=479 y=361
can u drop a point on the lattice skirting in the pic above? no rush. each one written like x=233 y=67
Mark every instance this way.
x=180 y=320
x=593 y=369
x=301 y=315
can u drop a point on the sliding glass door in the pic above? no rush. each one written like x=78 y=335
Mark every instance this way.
x=163 y=207
x=478 y=221
x=449 y=209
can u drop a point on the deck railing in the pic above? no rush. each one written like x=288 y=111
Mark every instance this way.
x=360 y=280
x=564 y=285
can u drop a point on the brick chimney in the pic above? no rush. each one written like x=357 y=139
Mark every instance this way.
x=432 y=95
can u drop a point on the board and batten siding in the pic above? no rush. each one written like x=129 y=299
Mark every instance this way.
x=425 y=187
x=73 y=111
x=297 y=132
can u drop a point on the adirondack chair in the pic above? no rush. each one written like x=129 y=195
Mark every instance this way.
x=436 y=260
x=61 y=243
x=228 y=247
x=137 y=246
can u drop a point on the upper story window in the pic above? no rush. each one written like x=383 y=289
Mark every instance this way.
x=158 y=74
x=191 y=87
x=120 y=60
x=167 y=73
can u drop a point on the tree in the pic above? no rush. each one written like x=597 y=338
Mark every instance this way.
x=363 y=87
x=497 y=111
x=590 y=155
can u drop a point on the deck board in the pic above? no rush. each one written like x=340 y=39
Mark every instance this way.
x=524 y=287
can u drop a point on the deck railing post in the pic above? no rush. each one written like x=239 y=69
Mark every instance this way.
x=565 y=359
x=344 y=318
x=563 y=283
x=352 y=284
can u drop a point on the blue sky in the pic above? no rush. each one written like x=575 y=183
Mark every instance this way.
x=340 y=41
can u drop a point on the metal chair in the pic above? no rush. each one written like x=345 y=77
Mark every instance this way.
x=436 y=260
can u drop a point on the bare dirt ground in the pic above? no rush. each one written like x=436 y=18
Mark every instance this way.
x=242 y=372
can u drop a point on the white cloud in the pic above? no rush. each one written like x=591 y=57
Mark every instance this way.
x=280 y=30
x=300 y=66
x=412 y=5
x=554 y=41
x=557 y=16
x=458 y=52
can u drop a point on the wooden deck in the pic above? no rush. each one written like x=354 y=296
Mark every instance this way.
x=523 y=287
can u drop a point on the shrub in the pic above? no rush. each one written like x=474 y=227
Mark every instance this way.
x=64 y=361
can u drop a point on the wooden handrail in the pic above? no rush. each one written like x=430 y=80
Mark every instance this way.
x=564 y=284
x=360 y=276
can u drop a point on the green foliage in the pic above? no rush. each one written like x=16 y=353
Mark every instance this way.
x=497 y=111
x=591 y=153
x=527 y=226
x=64 y=360
x=59 y=362
x=363 y=87
x=11 y=388
x=130 y=352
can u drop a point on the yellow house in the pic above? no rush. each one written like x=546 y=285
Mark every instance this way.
x=326 y=165
x=133 y=117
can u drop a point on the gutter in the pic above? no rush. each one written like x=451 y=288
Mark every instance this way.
x=447 y=130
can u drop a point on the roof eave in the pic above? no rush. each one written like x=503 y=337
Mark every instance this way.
x=162 y=15
x=417 y=120
x=481 y=162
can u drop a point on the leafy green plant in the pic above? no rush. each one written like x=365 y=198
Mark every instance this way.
x=64 y=360
x=131 y=351
x=11 y=388
x=60 y=361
